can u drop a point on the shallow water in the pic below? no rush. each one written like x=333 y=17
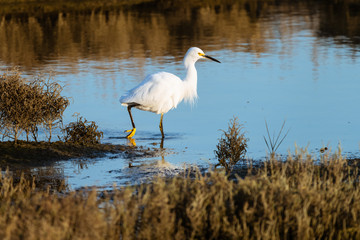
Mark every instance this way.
x=295 y=62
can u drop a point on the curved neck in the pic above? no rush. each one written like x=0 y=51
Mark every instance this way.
x=191 y=73
x=190 y=82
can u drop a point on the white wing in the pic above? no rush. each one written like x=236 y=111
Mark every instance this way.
x=159 y=93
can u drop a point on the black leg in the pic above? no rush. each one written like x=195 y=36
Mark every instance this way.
x=133 y=130
x=161 y=126
x=131 y=118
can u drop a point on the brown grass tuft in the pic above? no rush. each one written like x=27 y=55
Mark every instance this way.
x=232 y=146
x=25 y=106
x=82 y=132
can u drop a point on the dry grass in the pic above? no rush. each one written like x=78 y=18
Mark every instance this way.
x=272 y=142
x=82 y=132
x=27 y=105
x=232 y=145
x=296 y=199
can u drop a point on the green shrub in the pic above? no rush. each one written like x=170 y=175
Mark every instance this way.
x=232 y=146
x=82 y=132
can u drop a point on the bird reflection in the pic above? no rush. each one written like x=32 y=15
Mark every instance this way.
x=162 y=150
x=162 y=144
x=144 y=169
x=132 y=143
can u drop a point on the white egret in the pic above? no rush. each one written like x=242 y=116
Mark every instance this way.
x=162 y=91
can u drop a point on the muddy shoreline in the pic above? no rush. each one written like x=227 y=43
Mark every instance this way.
x=37 y=154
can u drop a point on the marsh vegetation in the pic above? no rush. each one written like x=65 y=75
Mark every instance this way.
x=297 y=198
x=26 y=106
x=29 y=105
x=232 y=146
x=300 y=198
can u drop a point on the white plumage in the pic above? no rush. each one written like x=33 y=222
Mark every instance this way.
x=158 y=93
x=161 y=92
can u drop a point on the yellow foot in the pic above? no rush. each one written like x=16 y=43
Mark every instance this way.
x=131 y=132
x=132 y=142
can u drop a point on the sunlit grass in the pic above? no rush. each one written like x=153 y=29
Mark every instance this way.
x=297 y=199
x=82 y=131
x=27 y=105
x=232 y=145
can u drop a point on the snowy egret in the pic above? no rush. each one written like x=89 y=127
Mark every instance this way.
x=162 y=91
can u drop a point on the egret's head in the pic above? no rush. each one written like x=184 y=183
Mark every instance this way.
x=194 y=54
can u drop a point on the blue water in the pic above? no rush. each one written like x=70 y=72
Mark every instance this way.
x=311 y=83
x=317 y=96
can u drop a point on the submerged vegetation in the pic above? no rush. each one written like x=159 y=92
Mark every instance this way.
x=296 y=199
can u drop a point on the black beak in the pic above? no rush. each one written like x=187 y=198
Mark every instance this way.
x=211 y=58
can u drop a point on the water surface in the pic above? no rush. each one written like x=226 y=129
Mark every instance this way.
x=297 y=62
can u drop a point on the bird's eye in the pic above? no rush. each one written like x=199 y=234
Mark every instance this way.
x=201 y=54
